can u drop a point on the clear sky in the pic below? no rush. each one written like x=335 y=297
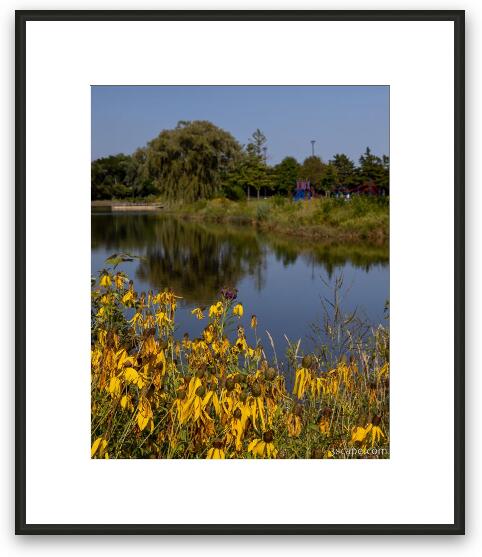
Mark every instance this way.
x=342 y=119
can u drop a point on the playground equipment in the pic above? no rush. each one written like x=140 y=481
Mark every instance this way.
x=303 y=190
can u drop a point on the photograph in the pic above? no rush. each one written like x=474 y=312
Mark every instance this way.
x=266 y=239
x=240 y=272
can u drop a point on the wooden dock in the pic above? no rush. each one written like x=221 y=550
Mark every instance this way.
x=121 y=206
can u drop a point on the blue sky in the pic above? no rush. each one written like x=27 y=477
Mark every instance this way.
x=342 y=119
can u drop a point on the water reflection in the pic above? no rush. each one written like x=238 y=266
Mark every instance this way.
x=198 y=259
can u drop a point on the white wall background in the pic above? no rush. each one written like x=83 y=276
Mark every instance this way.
x=10 y=545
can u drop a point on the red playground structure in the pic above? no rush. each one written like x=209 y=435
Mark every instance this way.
x=304 y=190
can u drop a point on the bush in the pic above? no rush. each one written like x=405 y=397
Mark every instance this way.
x=278 y=201
x=262 y=212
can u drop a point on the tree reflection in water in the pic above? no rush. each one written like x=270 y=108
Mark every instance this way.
x=198 y=259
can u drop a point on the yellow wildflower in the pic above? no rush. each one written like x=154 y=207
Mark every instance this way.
x=216 y=451
x=102 y=443
x=128 y=296
x=198 y=312
x=324 y=421
x=208 y=333
x=238 y=310
x=119 y=280
x=376 y=431
x=302 y=380
x=216 y=310
x=137 y=317
x=293 y=424
x=126 y=403
x=132 y=376
x=105 y=280
x=359 y=433
x=115 y=386
x=145 y=415
x=264 y=447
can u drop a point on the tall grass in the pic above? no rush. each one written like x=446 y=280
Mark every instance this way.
x=360 y=218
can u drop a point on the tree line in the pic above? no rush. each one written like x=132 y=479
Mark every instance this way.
x=198 y=160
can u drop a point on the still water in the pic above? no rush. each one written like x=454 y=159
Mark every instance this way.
x=282 y=281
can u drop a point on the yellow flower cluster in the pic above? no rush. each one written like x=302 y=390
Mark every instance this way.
x=216 y=396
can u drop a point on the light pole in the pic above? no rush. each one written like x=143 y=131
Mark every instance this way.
x=313 y=141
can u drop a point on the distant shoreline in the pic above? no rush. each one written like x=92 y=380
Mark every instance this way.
x=330 y=221
x=126 y=206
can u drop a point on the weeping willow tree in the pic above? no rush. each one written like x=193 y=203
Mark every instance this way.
x=189 y=162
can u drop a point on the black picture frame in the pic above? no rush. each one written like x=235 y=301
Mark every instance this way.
x=21 y=18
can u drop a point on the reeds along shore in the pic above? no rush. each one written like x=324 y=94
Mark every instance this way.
x=217 y=396
x=355 y=220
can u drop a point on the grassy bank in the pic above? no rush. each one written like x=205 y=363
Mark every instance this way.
x=155 y=395
x=360 y=218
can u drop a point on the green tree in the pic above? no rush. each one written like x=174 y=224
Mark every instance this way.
x=313 y=170
x=113 y=177
x=328 y=180
x=285 y=175
x=374 y=168
x=345 y=170
x=190 y=161
x=259 y=175
x=258 y=142
x=249 y=172
x=370 y=165
x=385 y=173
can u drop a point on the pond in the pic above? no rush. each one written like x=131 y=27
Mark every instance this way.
x=281 y=280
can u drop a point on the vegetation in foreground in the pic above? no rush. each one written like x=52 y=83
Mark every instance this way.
x=155 y=396
x=360 y=218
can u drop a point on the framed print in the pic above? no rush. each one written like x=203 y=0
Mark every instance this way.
x=257 y=248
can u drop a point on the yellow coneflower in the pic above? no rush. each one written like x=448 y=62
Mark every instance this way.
x=126 y=403
x=239 y=423
x=359 y=433
x=105 y=280
x=137 y=317
x=294 y=422
x=212 y=397
x=256 y=405
x=264 y=447
x=100 y=445
x=324 y=421
x=115 y=387
x=132 y=376
x=208 y=333
x=376 y=431
x=198 y=312
x=216 y=451
x=216 y=310
x=145 y=416
x=254 y=322
x=119 y=280
x=302 y=380
x=238 y=310
x=177 y=408
x=162 y=318
x=128 y=297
